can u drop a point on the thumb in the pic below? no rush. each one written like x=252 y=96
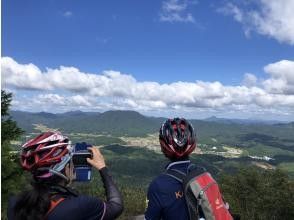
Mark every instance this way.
x=90 y=161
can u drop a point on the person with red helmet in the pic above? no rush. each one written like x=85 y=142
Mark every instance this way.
x=48 y=157
x=165 y=194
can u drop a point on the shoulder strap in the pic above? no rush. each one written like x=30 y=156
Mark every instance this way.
x=53 y=203
x=176 y=174
x=181 y=176
x=59 y=193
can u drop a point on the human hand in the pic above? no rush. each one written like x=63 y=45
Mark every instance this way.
x=97 y=160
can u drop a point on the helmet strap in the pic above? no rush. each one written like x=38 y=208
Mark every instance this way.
x=60 y=175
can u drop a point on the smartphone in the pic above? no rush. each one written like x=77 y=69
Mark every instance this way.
x=82 y=168
x=80 y=158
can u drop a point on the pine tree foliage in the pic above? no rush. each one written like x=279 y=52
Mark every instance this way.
x=259 y=194
x=11 y=174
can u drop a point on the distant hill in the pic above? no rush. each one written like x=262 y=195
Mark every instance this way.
x=241 y=121
x=110 y=122
x=78 y=113
x=132 y=123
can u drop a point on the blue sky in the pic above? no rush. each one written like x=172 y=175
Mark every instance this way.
x=156 y=41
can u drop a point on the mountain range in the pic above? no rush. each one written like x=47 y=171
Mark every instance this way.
x=111 y=127
x=132 y=123
x=109 y=122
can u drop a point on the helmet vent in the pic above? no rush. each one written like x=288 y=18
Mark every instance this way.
x=177 y=138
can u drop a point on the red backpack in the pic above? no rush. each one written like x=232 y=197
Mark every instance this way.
x=202 y=194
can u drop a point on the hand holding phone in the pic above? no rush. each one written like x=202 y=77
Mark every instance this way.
x=97 y=160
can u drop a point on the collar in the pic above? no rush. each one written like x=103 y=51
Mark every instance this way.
x=176 y=163
x=67 y=191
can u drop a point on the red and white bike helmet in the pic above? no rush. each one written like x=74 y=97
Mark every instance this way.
x=177 y=138
x=46 y=155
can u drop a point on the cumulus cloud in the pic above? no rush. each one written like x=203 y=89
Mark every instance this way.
x=281 y=77
x=272 y=18
x=114 y=90
x=53 y=102
x=59 y=100
x=23 y=76
x=176 y=11
x=249 y=80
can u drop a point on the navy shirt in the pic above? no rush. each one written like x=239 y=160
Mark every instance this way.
x=165 y=196
x=74 y=208
x=82 y=207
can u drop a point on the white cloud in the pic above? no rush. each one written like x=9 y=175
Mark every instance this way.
x=23 y=76
x=273 y=18
x=249 y=80
x=53 y=102
x=231 y=9
x=61 y=100
x=67 y=14
x=69 y=88
x=281 y=77
x=176 y=11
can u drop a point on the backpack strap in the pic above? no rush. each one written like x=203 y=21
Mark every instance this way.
x=184 y=178
x=176 y=174
x=54 y=203
x=180 y=176
x=59 y=194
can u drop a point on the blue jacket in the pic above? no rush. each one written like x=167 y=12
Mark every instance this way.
x=165 y=196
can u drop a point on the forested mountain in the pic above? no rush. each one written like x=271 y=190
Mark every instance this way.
x=131 y=123
x=110 y=122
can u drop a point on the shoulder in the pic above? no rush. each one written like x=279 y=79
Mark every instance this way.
x=85 y=201
x=158 y=181
x=81 y=203
x=79 y=207
x=162 y=183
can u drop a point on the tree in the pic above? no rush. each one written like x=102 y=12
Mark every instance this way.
x=11 y=173
x=259 y=194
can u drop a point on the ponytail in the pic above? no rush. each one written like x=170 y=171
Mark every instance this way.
x=34 y=204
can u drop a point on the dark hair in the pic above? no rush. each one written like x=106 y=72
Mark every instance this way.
x=35 y=203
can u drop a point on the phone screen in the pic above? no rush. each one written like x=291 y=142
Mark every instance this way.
x=80 y=159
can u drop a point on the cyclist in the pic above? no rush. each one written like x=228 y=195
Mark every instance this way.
x=49 y=158
x=165 y=194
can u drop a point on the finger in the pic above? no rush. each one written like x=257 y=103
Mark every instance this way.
x=90 y=149
x=95 y=152
x=90 y=161
x=98 y=151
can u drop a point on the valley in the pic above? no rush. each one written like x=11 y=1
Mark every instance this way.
x=223 y=145
x=129 y=143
